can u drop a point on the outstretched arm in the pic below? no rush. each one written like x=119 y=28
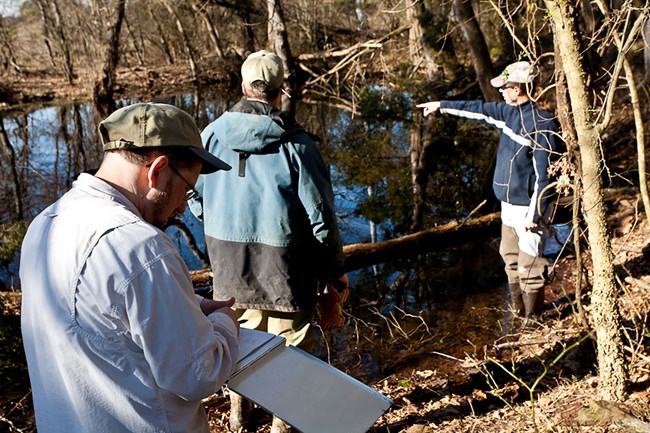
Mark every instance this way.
x=429 y=107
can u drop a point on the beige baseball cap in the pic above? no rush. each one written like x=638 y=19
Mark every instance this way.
x=156 y=125
x=518 y=72
x=263 y=66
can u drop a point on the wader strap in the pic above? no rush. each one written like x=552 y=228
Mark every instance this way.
x=243 y=156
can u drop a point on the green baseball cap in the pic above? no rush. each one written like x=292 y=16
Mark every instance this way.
x=156 y=125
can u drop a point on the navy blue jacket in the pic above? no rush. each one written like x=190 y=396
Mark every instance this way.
x=528 y=143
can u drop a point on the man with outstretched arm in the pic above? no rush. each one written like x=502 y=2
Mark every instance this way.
x=527 y=144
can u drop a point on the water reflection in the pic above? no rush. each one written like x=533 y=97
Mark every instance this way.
x=436 y=292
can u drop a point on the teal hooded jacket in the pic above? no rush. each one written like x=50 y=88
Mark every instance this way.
x=270 y=222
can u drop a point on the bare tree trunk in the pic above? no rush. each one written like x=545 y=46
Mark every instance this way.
x=249 y=34
x=90 y=30
x=104 y=86
x=477 y=47
x=209 y=26
x=362 y=19
x=161 y=34
x=646 y=51
x=134 y=42
x=419 y=53
x=68 y=68
x=7 y=47
x=640 y=136
x=186 y=39
x=571 y=140
x=606 y=315
x=634 y=97
x=46 y=31
x=279 y=41
x=8 y=151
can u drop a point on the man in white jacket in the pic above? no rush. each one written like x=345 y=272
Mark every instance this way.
x=115 y=338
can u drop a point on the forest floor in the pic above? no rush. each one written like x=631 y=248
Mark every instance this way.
x=538 y=380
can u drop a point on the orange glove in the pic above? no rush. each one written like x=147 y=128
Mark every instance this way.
x=330 y=303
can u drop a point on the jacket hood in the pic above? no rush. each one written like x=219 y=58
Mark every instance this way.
x=265 y=126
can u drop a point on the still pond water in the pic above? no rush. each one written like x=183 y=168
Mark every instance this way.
x=466 y=299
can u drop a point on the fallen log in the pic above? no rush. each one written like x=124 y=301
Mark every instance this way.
x=359 y=256
x=437 y=238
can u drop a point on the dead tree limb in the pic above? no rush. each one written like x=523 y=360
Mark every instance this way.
x=438 y=238
x=349 y=54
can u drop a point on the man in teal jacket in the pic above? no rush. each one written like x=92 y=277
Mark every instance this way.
x=270 y=223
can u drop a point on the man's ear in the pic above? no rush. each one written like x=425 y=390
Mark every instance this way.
x=155 y=168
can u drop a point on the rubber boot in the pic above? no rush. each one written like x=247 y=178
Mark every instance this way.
x=534 y=304
x=279 y=426
x=516 y=300
x=238 y=412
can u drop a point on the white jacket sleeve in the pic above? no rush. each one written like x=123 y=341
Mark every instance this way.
x=189 y=354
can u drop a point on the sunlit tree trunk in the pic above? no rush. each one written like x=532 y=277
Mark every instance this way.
x=7 y=48
x=419 y=53
x=89 y=30
x=68 y=68
x=622 y=46
x=166 y=49
x=134 y=42
x=279 y=42
x=103 y=91
x=573 y=154
x=185 y=38
x=46 y=31
x=475 y=42
x=360 y=14
x=606 y=315
x=646 y=51
x=209 y=26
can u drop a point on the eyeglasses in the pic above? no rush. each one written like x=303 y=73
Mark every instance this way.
x=191 y=192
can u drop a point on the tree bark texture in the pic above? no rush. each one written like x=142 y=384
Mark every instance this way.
x=209 y=26
x=477 y=47
x=103 y=92
x=606 y=316
x=279 y=41
x=419 y=53
x=68 y=68
x=164 y=45
x=46 y=31
x=7 y=48
x=185 y=38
